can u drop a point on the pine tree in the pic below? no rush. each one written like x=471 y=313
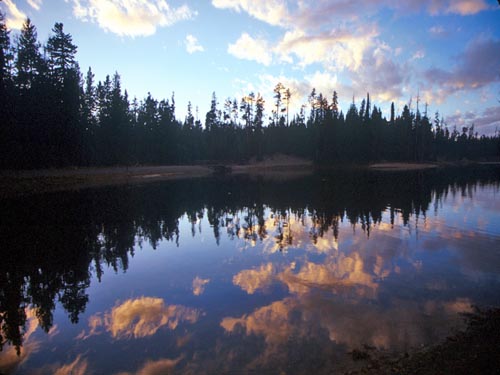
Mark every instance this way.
x=392 y=113
x=7 y=123
x=61 y=53
x=211 y=116
x=28 y=63
x=335 y=105
x=5 y=52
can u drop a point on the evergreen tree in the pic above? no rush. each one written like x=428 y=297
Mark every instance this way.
x=7 y=125
x=29 y=63
x=211 y=117
x=335 y=105
x=5 y=54
x=52 y=117
x=392 y=113
x=61 y=53
x=278 y=96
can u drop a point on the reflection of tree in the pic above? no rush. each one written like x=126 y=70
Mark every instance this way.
x=53 y=243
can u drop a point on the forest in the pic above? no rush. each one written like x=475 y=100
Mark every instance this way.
x=53 y=115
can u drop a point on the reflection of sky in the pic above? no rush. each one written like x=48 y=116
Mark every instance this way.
x=200 y=307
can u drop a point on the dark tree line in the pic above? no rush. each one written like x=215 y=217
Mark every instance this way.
x=52 y=115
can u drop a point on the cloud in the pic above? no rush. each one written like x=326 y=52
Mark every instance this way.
x=248 y=48
x=15 y=18
x=140 y=317
x=273 y=12
x=476 y=67
x=252 y=280
x=35 y=4
x=272 y=321
x=341 y=274
x=192 y=44
x=337 y=49
x=77 y=367
x=437 y=31
x=466 y=7
x=436 y=7
x=131 y=18
x=199 y=285
x=307 y=15
x=400 y=325
x=10 y=360
x=380 y=74
x=419 y=54
x=159 y=367
x=485 y=122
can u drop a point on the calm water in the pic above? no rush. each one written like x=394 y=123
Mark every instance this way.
x=244 y=274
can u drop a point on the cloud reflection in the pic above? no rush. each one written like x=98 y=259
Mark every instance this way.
x=199 y=285
x=9 y=358
x=140 y=317
x=400 y=326
x=252 y=280
x=343 y=273
x=78 y=367
x=159 y=367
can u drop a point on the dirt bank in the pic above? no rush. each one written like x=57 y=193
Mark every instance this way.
x=48 y=180
x=402 y=166
x=13 y=183
x=474 y=350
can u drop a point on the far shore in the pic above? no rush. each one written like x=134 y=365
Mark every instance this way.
x=14 y=183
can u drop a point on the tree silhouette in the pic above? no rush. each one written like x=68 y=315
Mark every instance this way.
x=51 y=117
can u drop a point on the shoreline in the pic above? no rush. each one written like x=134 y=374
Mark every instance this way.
x=17 y=183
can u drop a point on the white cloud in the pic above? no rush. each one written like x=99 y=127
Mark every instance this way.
x=466 y=7
x=35 y=4
x=312 y=39
x=420 y=54
x=309 y=15
x=437 y=30
x=192 y=44
x=78 y=367
x=336 y=50
x=476 y=67
x=199 y=285
x=380 y=74
x=158 y=367
x=248 y=48
x=485 y=122
x=132 y=17
x=323 y=81
x=139 y=317
x=15 y=18
x=273 y=12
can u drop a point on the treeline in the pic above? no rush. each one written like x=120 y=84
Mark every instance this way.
x=53 y=116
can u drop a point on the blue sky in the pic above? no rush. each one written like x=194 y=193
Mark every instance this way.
x=447 y=51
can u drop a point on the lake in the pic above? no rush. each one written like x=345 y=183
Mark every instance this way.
x=243 y=274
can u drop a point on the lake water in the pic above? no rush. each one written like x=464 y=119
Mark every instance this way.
x=244 y=274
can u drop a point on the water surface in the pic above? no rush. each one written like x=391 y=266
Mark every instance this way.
x=244 y=274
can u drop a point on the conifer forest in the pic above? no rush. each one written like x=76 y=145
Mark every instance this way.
x=54 y=115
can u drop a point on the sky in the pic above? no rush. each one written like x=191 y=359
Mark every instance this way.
x=446 y=53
